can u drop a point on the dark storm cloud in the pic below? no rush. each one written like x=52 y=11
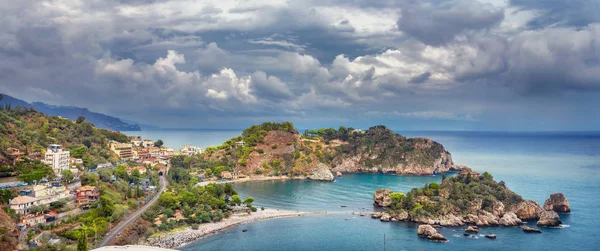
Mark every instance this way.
x=578 y=13
x=437 y=24
x=421 y=78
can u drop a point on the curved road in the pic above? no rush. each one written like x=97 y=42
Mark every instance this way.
x=112 y=234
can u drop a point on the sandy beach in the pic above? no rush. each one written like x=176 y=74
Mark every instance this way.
x=183 y=237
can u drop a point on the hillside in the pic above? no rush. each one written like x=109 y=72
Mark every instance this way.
x=71 y=112
x=31 y=132
x=278 y=149
x=467 y=198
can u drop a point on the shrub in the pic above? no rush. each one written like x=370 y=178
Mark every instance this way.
x=434 y=185
x=274 y=147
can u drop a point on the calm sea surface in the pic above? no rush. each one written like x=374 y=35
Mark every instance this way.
x=532 y=164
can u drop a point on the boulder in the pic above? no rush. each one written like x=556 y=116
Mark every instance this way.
x=450 y=220
x=528 y=210
x=338 y=174
x=557 y=203
x=322 y=173
x=427 y=221
x=470 y=219
x=490 y=236
x=385 y=217
x=394 y=219
x=549 y=219
x=487 y=219
x=382 y=198
x=429 y=232
x=471 y=229
x=376 y=215
x=510 y=219
x=527 y=229
x=401 y=216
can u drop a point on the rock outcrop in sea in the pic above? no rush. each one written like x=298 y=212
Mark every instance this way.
x=429 y=232
x=557 y=203
x=382 y=198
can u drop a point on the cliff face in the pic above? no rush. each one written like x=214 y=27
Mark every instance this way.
x=377 y=150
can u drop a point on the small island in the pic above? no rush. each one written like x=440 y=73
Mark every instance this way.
x=467 y=199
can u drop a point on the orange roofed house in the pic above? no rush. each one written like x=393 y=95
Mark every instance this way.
x=86 y=195
x=226 y=175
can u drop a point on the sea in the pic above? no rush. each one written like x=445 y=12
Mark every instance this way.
x=533 y=164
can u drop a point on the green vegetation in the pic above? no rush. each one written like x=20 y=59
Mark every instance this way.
x=31 y=132
x=455 y=195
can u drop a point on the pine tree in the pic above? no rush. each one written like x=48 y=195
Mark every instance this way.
x=82 y=244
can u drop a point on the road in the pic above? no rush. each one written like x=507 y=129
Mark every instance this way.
x=113 y=233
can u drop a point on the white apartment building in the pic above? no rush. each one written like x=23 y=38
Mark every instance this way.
x=190 y=150
x=57 y=158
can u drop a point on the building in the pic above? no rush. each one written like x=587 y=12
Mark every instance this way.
x=15 y=154
x=240 y=143
x=76 y=161
x=473 y=174
x=57 y=158
x=22 y=204
x=124 y=150
x=190 y=150
x=148 y=143
x=86 y=195
x=33 y=219
x=50 y=192
x=136 y=140
x=226 y=175
x=166 y=152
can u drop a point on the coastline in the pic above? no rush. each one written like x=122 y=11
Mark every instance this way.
x=181 y=238
x=251 y=179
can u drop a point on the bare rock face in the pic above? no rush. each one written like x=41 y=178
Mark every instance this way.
x=557 y=203
x=382 y=198
x=451 y=220
x=429 y=232
x=471 y=219
x=322 y=173
x=487 y=219
x=376 y=215
x=549 y=219
x=529 y=210
x=510 y=219
x=498 y=208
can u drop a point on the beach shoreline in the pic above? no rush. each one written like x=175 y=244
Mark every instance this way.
x=184 y=237
x=251 y=179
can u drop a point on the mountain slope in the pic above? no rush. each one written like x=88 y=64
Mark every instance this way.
x=71 y=112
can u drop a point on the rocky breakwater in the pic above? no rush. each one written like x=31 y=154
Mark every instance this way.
x=321 y=173
x=429 y=232
x=466 y=199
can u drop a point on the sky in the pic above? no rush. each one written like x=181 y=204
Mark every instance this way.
x=408 y=64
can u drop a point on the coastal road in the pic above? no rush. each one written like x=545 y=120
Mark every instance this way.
x=113 y=233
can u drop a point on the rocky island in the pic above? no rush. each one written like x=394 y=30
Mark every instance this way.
x=278 y=149
x=467 y=199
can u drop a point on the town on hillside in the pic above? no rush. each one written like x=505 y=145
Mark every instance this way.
x=73 y=188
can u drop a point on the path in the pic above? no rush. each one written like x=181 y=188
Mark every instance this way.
x=113 y=233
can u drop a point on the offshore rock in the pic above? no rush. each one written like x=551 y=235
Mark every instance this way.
x=382 y=198
x=429 y=232
x=471 y=229
x=557 y=203
x=490 y=236
x=322 y=173
x=376 y=215
x=549 y=219
x=510 y=219
x=527 y=229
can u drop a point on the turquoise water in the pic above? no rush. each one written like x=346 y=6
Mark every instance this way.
x=532 y=164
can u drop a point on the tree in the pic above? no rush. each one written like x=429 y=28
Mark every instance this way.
x=80 y=119
x=235 y=200
x=67 y=175
x=158 y=143
x=6 y=195
x=248 y=201
x=82 y=244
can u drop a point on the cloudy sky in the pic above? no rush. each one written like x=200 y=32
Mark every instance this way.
x=408 y=64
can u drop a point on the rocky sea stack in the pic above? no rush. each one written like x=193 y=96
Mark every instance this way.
x=468 y=199
x=429 y=232
x=557 y=203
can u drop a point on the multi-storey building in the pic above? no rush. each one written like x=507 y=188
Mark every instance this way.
x=124 y=150
x=57 y=158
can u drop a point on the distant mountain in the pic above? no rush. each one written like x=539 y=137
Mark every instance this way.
x=71 y=112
